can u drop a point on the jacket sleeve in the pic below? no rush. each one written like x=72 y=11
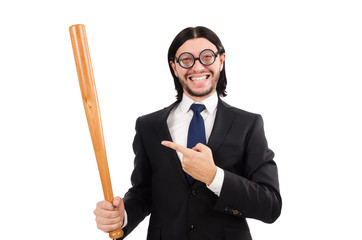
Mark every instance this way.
x=254 y=193
x=138 y=198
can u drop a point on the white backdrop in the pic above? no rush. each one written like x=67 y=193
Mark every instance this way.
x=297 y=63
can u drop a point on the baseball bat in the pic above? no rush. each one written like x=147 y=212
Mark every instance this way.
x=91 y=107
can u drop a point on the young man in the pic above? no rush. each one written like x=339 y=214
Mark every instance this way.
x=201 y=166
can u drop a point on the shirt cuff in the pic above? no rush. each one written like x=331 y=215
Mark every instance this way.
x=125 y=221
x=216 y=184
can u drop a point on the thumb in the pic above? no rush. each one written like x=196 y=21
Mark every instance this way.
x=200 y=147
x=116 y=201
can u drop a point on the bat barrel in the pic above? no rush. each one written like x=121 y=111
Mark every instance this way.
x=91 y=108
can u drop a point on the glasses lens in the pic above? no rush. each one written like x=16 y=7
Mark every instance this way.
x=207 y=57
x=186 y=60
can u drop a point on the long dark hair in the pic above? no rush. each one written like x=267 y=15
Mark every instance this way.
x=191 y=33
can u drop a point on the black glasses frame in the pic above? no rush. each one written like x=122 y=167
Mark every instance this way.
x=194 y=59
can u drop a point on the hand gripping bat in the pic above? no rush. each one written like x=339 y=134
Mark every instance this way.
x=91 y=108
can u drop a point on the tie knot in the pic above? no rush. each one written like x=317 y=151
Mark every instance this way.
x=197 y=107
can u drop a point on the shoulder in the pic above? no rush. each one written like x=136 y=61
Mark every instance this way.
x=157 y=116
x=239 y=112
x=242 y=118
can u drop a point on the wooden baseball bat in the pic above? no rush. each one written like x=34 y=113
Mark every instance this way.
x=91 y=108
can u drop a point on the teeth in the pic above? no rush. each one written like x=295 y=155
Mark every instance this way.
x=198 y=79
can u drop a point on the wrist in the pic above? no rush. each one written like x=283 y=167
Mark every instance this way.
x=212 y=176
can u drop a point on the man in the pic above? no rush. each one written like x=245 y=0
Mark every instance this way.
x=222 y=170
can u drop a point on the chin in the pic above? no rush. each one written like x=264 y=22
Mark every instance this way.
x=200 y=93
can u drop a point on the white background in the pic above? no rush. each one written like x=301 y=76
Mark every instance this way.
x=297 y=63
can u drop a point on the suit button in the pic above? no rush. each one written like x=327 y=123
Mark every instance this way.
x=193 y=228
x=193 y=193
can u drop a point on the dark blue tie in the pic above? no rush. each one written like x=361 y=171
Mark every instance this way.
x=196 y=130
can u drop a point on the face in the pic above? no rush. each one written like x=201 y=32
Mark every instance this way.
x=199 y=81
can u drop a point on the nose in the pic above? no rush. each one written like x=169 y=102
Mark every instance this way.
x=198 y=65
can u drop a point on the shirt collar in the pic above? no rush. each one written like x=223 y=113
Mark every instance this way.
x=210 y=103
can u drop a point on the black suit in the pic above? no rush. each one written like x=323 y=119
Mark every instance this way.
x=183 y=211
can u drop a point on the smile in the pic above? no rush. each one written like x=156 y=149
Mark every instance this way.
x=199 y=79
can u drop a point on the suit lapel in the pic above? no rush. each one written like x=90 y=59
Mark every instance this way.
x=223 y=121
x=164 y=134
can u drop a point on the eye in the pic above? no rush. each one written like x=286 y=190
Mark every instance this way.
x=207 y=58
x=186 y=59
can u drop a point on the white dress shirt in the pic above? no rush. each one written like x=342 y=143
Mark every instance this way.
x=178 y=124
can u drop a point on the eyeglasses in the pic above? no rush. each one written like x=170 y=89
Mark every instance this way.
x=187 y=60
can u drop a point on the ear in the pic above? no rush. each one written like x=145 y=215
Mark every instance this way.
x=174 y=68
x=222 y=59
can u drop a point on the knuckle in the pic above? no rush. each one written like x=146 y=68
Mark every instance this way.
x=184 y=165
x=100 y=204
x=185 y=168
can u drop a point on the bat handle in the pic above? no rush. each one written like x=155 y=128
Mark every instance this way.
x=116 y=234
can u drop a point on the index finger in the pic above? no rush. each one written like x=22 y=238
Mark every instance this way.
x=177 y=147
x=105 y=205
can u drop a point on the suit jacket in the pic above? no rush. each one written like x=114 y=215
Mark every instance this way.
x=181 y=211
